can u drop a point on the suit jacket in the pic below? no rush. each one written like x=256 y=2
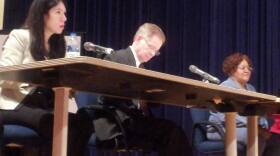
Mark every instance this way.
x=15 y=51
x=124 y=56
x=105 y=127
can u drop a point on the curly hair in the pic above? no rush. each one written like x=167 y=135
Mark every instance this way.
x=232 y=61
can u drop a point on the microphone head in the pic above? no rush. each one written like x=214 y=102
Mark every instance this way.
x=89 y=46
x=193 y=68
x=204 y=75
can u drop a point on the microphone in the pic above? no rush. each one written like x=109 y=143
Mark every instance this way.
x=203 y=74
x=93 y=47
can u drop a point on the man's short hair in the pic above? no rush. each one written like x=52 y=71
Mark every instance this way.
x=148 y=30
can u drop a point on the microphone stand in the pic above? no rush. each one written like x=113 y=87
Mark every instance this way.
x=205 y=80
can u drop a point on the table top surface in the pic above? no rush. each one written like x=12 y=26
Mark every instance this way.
x=118 y=80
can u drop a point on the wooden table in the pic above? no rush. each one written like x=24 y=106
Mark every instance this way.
x=113 y=79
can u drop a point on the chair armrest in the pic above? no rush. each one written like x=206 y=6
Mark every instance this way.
x=203 y=127
x=111 y=111
x=216 y=126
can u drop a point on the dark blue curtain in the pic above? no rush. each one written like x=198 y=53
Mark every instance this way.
x=200 y=32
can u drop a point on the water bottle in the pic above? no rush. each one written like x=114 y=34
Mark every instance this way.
x=73 y=45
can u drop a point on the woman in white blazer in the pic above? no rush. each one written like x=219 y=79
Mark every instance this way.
x=40 y=38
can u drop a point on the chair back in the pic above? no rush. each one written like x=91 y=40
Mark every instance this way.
x=198 y=134
x=199 y=140
x=84 y=99
x=199 y=115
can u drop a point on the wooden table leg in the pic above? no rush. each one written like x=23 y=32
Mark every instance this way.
x=252 y=133
x=230 y=134
x=60 y=128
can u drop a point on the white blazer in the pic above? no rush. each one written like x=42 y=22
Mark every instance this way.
x=16 y=50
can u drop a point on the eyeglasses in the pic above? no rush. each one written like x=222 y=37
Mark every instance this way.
x=154 y=50
x=245 y=67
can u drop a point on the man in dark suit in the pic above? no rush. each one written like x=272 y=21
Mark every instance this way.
x=142 y=129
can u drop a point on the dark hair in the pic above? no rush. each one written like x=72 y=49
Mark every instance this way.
x=35 y=23
x=231 y=62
